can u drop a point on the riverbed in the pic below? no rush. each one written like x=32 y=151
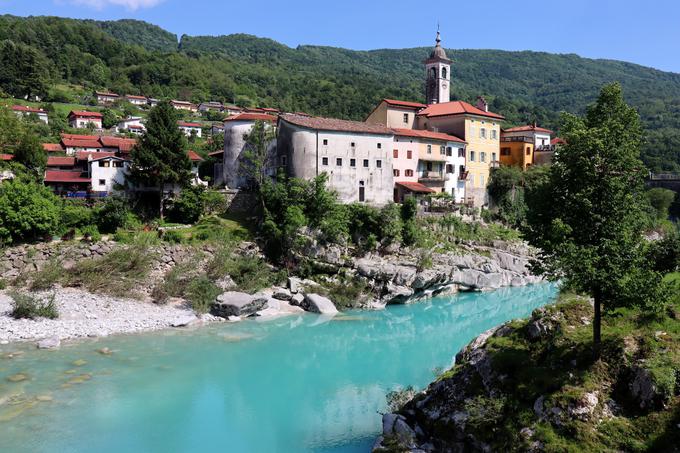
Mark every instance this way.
x=293 y=384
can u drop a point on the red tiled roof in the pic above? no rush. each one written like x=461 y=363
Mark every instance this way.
x=61 y=161
x=100 y=156
x=65 y=176
x=528 y=128
x=52 y=147
x=85 y=155
x=252 y=117
x=558 y=141
x=180 y=102
x=80 y=137
x=415 y=187
x=185 y=124
x=6 y=157
x=27 y=109
x=71 y=143
x=427 y=134
x=134 y=126
x=104 y=93
x=194 y=156
x=85 y=114
x=216 y=153
x=332 y=124
x=123 y=144
x=407 y=104
x=132 y=96
x=270 y=110
x=456 y=108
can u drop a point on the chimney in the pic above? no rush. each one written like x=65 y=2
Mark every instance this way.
x=482 y=104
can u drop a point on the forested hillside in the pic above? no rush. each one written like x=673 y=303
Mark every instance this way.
x=41 y=55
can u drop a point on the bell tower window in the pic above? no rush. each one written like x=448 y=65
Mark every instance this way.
x=444 y=73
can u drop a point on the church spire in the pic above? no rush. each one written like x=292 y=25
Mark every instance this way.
x=438 y=70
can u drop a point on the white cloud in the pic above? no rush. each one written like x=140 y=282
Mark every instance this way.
x=131 y=5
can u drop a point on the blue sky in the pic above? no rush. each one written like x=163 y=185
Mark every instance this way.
x=643 y=32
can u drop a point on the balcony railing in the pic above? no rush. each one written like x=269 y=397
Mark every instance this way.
x=431 y=175
x=545 y=148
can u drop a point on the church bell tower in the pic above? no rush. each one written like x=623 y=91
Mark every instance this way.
x=438 y=75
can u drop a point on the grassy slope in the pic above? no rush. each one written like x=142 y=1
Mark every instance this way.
x=561 y=369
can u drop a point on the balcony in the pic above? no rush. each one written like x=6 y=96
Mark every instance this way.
x=494 y=164
x=432 y=176
x=545 y=148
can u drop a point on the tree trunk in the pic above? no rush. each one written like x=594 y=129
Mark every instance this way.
x=160 y=203
x=597 y=324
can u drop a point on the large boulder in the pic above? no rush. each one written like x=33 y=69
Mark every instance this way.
x=319 y=304
x=49 y=343
x=232 y=303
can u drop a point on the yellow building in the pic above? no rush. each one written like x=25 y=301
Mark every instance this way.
x=480 y=128
x=517 y=152
x=395 y=114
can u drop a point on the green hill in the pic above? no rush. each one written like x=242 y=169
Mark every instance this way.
x=139 y=58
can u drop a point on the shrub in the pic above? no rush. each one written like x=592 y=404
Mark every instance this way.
x=660 y=201
x=396 y=399
x=28 y=307
x=213 y=202
x=113 y=214
x=175 y=281
x=75 y=215
x=91 y=233
x=27 y=211
x=173 y=236
x=188 y=207
x=117 y=273
x=250 y=274
x=201 y=293
x=47 y=276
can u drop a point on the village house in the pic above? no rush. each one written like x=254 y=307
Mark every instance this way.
x=540 y=136
x=356 y=156
x=236 y=128
x=190 y=129
x=85 y=120
x=136 y=100
x=108 y=173
x=232 y=109
x=210 y=107
x=217 y=129
x=152 y=102
x=53 y=148
x=395 y=114
x=24 y=111
x=528 y=145
x=106 y=98
x=133 y=125
x=184 y=105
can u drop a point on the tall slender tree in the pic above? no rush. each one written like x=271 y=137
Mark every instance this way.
x=588 y=217
x=160 y=157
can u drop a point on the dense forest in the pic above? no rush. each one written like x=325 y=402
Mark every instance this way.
x=40 y=56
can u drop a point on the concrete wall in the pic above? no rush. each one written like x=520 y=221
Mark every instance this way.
x=308 y=153
x=403 y=145
x=234 y=146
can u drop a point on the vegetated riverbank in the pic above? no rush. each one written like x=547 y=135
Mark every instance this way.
x=111 y=287
x=533 y=385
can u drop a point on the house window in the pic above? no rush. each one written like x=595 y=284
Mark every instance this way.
x=118 y=164
x=352 y=144
x=444 y=73
x=395 y=154
x=528 y=151
x=365 y=163
x=449 y=168
x=408 y=172
x=324 y=161
x=505 y=151
x=284 y=160
x=461 y=152
x=409 y=154
x=338 y=161
x=442 y=150
x=325 y=141
x=429 y=166
x=482 y=132
x=494 y=134
x=429 y=149
x=395 y=172
x=449 y=151
x=102 y=182
x=481 y=180
x=379 y=145
x=352 y=162
x=493 y=157
x=482 y=156
x=406 y=118
x=104 y=163
x=472 y=156
x=378 y=163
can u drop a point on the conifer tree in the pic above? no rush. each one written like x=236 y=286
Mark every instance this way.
x=160 y=158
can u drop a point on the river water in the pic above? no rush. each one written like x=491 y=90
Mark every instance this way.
x=295 y=384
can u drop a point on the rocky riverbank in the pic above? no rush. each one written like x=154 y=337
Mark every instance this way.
x=534 y=385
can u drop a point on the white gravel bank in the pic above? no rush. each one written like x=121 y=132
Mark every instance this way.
x=82 y=314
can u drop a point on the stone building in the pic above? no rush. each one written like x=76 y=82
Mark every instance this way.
x=356 y=156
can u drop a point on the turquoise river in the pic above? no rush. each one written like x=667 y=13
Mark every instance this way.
x=294 y=384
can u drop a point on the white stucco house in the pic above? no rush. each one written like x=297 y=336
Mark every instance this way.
x=356 y=156
x=136 y=100
x=132 y=125
x=80 y=119
x=107 y=173
x=23 y=111
x=540 y=135
x=190 y=129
